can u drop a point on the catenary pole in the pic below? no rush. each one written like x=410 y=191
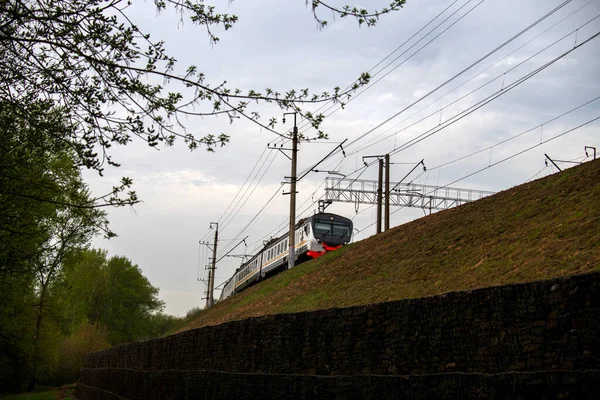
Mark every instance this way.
x=379 y=195
x=210 y=300
x=292 y=244
x=387 y=192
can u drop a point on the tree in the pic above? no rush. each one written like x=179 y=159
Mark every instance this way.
x=46 y=212
x=110 y=292
x=74 y=348
x=88 y=58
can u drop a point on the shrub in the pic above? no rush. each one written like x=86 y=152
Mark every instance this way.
x=75 y=347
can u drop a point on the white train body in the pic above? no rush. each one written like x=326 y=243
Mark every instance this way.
x=315 y=236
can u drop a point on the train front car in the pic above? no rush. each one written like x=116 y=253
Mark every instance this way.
x=330 y=232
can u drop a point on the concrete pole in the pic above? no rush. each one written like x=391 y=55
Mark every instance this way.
x=387 y=192
x=210 y=300
x=292 y=248
x=379 y=195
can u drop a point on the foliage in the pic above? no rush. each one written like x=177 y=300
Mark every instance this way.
x=75 y=347
x=361 y=15
x=90 y=59
x=46 y=215
x=16 y=316
x=193 y=312
x=161 y=324
x=110 y=292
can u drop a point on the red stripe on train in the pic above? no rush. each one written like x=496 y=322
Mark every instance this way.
x=316 y=254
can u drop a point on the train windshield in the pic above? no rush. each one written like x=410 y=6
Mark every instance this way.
x=328 y=230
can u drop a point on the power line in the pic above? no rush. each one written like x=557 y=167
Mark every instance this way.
x=466 y=69
x=303 y=124
x=243 y=184
x=226 y=215
x=238 y=192
x=526 y=150
x=493 y=51
x=475 y=107
x=483 y=102
x=501 y=161
x=523 y=31
x=408 y=58
x=228 y=221
x=283 y=225
x=517 y=135
x=372 y=142
x=256 y=215
x=536 y=174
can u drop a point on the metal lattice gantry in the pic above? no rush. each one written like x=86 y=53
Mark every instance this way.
x=427 y=197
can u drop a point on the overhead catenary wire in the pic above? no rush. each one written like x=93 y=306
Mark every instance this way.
x=226 y=216
x=256 y=216
x=517 y=135
x=374 y=140
x=228 y=221
x=496 y=49
x=283 y=225
x=497 y=144
x=478 y=105
x=491 y=165
x=505 y=43
x=536 y=174
x=243 y=184
x=224 y=213
x=335 y=104
x=525 y=150
x=504 y=141
x=550 y=64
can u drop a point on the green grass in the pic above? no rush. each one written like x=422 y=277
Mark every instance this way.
x=540 y=230
x=64 y=393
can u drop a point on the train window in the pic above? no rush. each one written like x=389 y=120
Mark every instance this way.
x=307 y=229
x=341 y=229
x=322 y=228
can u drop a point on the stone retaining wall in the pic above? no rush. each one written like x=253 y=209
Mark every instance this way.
x=526 y=328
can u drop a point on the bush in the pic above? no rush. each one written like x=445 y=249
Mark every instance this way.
x=75 y=347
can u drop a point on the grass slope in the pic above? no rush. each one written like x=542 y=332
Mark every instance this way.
x=540 y=230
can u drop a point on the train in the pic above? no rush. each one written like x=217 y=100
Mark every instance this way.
x=315 y=236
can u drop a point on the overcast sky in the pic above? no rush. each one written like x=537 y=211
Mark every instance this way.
x=277 y=44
